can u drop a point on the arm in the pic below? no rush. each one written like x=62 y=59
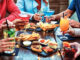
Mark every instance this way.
x=13 y=9
x=21 y=6
x=75 y=32
x=68 y=12
x=71 y=9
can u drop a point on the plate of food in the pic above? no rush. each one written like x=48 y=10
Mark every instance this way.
x=36 y=47
x=35 y=43
x=69 y=50
x=47 y=26
x=30 y=26
x=29 y=37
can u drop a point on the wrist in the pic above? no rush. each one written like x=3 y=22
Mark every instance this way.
x=57 y=17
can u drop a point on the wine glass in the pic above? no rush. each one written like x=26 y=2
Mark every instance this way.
x=48 y=13
x=64 y=26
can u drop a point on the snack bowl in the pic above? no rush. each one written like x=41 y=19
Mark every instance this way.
x=44 y=41
x=26 y=43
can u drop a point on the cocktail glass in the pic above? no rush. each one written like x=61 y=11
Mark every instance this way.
x=64 y=26
x=10 y=34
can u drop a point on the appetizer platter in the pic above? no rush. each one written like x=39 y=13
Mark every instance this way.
x=40 y=26
x=42 y=47
x=36 y=47
x=47 y=26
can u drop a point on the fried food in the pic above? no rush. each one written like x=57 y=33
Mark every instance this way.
x=36 y=46
x=66 y=44
x=30 y=25
x=43 y=41
x=30 y=37
x=47 y=49
x=47 y=26
x=53 y=45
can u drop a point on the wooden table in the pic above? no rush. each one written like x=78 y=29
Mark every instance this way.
x=25 y=54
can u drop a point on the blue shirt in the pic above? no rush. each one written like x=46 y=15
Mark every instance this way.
x=30 y=6
x=75 y=6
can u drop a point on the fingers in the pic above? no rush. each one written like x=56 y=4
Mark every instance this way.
x=77 y=46
x=18 y=21
x=37 y=17
x=10 y=24
x=74 y=44
x=4 y=22
x=37 y=14
x=8 y=39
x=69 y=31
x=74 y=23
x=4 y=46
x=5 y=26
x=53 y=17
x=7 y=43
x=19 y=24
x=77 y=54
x=7 y=46
x=6 y=49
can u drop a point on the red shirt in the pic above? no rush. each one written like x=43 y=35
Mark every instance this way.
x=8 y=5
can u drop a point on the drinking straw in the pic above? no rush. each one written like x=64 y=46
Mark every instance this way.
x=63 y=14
x=8 y=26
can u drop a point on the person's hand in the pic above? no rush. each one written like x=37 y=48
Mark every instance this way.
x=19 y=24
x=71 y=32
x=5 y=44
x=77 y=45
x=74 y=24
x=51 y=18
x=37 y=17
x=4 y=26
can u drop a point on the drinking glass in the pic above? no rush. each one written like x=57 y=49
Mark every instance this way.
x=64 y=26
x=9 y=34
x=48 y=13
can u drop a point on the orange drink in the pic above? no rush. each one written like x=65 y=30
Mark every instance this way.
x=64 y=24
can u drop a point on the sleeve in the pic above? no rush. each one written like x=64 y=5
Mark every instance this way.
x=77 y=32
x=13 y=10
x=20 y=4
x=45 y=7
x=72 y=5
x=48 y=8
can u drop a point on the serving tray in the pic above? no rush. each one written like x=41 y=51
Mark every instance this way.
x=44 y=54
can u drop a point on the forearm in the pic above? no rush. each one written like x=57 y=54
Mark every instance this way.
x=68 y=13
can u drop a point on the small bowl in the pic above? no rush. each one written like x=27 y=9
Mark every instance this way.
x=26 y=43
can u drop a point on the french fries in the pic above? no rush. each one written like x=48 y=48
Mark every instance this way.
x=30 y=37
